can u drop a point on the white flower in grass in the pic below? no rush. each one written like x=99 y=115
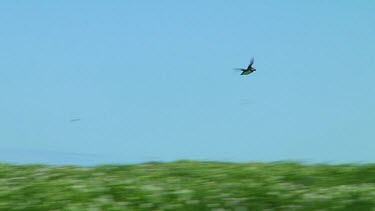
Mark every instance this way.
x=151 y=188
x=183 y=191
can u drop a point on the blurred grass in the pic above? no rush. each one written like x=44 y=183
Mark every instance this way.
x=188 y=185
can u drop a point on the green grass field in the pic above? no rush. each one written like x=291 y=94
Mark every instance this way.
x=188 y=185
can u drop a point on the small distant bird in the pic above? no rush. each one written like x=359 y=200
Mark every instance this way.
x=249 y=68
x=75 y=120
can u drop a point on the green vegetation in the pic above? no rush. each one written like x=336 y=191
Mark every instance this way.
x=188 y=185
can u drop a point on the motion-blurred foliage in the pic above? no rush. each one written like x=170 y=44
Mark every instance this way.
x=188 y=185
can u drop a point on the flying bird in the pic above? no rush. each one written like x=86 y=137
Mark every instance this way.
x=75 y=120
x=249 y=68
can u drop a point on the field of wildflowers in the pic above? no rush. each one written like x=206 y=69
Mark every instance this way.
x=188 y=185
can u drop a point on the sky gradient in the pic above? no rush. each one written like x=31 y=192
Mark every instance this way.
x=154 y=81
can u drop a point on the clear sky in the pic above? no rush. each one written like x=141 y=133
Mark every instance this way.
x=153 y=81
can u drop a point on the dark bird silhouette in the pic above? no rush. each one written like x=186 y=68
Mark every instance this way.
x=249 y=68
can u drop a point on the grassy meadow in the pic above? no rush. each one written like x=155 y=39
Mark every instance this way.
x=188 y=185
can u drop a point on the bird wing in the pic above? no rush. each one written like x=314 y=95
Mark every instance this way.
x=251 y=63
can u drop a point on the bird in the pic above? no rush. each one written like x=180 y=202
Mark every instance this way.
x=75 y=120
x=249 y=68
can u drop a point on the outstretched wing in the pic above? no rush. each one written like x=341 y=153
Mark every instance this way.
x=239 y=69
x=251 y=63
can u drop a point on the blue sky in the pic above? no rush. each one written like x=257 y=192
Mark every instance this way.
x=153 y=81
